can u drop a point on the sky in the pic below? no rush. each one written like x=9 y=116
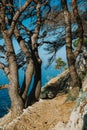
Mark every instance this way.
x=43 y=54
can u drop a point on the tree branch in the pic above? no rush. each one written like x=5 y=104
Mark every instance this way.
x=5 y=68
x=17 y=15
x=2 y=66
x=26 y=29
x=6 y=86
x=37 y=29
x=2 y=49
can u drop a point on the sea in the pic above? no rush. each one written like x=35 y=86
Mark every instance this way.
x=47 y=74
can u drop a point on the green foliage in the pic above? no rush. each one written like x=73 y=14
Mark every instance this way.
x=85 y=42
x=76 y=42
x=60 y=64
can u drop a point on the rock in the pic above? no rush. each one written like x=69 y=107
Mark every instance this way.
x=55 y=85
x=76 y=121
x=48 y=92
x=60 y=126
x=81 y=64
x=84 y=84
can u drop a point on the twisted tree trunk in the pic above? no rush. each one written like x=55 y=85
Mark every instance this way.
x=35 y=92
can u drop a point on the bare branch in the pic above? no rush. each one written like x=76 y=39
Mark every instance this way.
x=5 y=68
x=2 y=49
x=26 y=29
x=22 y=43
x=6 y=86
x=2 y=66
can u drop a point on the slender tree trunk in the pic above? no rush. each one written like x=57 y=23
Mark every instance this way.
x=70 y=56
x=80 y=27
x=16 y=101
x=36 y=89
x=35 y=55
x=30 y=65
x=28 y=78
x=35 y=92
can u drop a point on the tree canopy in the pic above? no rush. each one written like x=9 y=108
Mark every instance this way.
x=31 y=24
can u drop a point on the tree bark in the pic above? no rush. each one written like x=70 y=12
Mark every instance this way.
x=35 y=92
x=36 y=89
x=35 y=55
x=76 y=82
x=80 y=27
x=16 y=101
x=30 y=65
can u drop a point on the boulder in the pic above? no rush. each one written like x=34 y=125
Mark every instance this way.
x=55 y=85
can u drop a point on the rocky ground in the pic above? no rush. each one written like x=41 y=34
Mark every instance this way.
x=43 y=115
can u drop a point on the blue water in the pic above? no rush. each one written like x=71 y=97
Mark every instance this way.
x=4 y=97
x=47 y=74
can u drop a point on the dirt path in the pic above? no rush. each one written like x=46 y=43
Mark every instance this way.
x=43 y=115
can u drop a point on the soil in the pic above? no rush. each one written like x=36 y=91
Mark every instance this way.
x=44 y=115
